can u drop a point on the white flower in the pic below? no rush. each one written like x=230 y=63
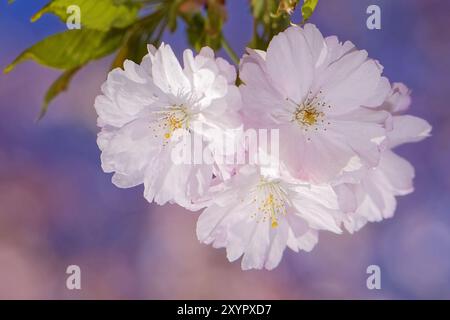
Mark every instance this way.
x=321 y=94
x=372 y=197
x=338 y=120
x=257 y=216
x=143 y=106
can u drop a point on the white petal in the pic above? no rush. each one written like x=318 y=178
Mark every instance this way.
x=167 y=72
x=308 y=240
x=290 y=63
x=256 y=248
x=316 y=44
x=350 y=82
x=408 y=129
x=399 y=98
x=279 y=237
x=398 y=171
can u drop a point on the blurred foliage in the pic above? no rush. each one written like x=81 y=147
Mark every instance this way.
x=308 y=8
x=125 y=27
x=205 y=29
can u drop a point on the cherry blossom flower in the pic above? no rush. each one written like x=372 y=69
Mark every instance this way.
x=321 y=94
x=337 y=118
x=146 y=108
x=372 y=197
x=255 y=215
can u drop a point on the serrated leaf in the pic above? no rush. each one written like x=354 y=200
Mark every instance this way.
x=58 y=86
x=308 y=8
x=71 y=49
x=99 y=14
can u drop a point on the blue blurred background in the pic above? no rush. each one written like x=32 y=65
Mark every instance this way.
x=58 y=208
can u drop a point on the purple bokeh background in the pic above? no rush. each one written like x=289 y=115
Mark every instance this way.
x=58 y=208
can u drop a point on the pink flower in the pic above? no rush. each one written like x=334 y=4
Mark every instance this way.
x=338 y=118
x=371 y=197
x=321 y=94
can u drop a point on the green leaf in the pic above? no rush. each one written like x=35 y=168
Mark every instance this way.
x=206 y=30
x=172 y=14
x=99 y=14
x=308 y=8
x=56 y=88
x=70 y=49
x=195 y=30
x=216 y=17
x=258 y=8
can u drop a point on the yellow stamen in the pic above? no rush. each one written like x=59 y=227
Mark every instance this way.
x=274 y=223
x=271 y=205
x=175 y=123
x=307 y=115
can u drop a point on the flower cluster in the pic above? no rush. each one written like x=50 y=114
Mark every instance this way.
x=338 y=120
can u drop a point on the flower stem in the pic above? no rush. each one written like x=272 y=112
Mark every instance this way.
x=230 y=52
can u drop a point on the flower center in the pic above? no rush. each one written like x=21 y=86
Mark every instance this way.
x=174 y=118
x=310 y=114
x=271 y=201
x=307 y=115
x=173 y=122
